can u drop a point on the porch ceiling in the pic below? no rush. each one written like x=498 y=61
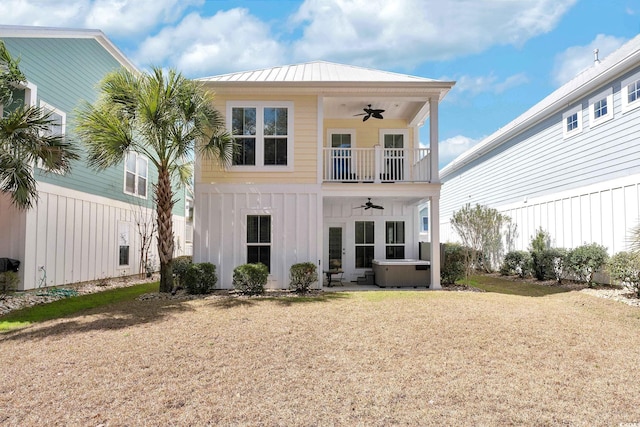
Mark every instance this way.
x=357 y=200
x=405 y=108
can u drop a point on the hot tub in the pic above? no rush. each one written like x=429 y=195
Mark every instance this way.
x=402 y=272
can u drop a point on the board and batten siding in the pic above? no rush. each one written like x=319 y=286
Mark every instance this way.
x=542 y=179
x=220 y=221
x=304 y=156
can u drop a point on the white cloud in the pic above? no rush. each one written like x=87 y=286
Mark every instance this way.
x=475 y=85
x=117 y=17
x=228 y=41
x=408 y=32
x=451 y=148
x=576 y=59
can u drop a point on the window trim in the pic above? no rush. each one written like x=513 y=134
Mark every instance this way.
x=392 y=243
x=269 y=244
x=606 y=95
x=364 y=244
x=260 y=138
x=569 y=133
x=135 y=193
x=624 y=92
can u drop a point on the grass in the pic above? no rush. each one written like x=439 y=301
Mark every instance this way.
x=72 y=305
x=509 y=287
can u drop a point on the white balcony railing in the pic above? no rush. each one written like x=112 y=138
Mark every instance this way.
x=376 y=165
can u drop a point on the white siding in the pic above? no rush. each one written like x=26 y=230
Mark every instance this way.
x=220 y=226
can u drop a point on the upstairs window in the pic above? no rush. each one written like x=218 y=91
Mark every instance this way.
x=263 y=134
x=58 y=119
x=572 y=122
x=631 y=92
x=601 y=108
x=136 y=169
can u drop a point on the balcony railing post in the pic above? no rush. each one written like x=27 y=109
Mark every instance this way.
x=379 y=163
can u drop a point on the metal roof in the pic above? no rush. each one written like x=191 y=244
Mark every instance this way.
x=317 y=71
x=613 y=66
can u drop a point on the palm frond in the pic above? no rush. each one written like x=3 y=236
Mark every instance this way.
x=16 y=179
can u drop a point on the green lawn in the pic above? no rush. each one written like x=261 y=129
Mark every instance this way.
x=71 y=305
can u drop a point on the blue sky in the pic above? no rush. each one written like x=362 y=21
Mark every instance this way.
x=505 y=55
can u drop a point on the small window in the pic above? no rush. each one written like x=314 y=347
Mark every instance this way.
x=631 y=93
x=259 y=239
x=135 y=175
x=601 y=108
x=395 y=239
x=572 y=122
x=365 y=240
x=58 y=125
x=123 y=244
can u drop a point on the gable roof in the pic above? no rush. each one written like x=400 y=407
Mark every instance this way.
x=316 y=71
x=611 y=67
x=20 y=31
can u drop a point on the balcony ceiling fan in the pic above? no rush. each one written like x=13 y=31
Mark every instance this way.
x=369 y=205
x=371 y=112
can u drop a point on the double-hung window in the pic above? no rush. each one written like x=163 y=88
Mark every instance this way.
x=263 y=132
x=631 y=92
x=259 y=239
x=57 y=126
x=365 y=247
x=395 y=239
x=572 y=122
x=136 y=169
x=601 y=107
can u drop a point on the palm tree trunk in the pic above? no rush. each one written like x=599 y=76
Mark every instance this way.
x=164 y=206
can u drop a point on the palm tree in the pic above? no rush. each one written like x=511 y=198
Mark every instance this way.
x=26 y=139
x=165 y=117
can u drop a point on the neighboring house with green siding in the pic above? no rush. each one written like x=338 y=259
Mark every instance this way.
x=84 y=226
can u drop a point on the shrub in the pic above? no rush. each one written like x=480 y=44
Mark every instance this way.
x=585 y=260
x=9 y=281
x=541 y=241
x=625 y=267
x=200 y=278
x=180 y=266
x=302 y=275
x=516 y=262
x=249 y=279
x=454 y=264
x=549 y=264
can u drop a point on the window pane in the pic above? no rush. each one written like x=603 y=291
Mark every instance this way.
x=341 y=140
x=395 y=232
x=275 y=121
x=245 y=151
x=243 y=121
x=394 y=141
x=252 y=229
x=256 y=254
x=142 y=187
x=265 y=228
x=364 y=256
x=123 y=258
x=395 y=252
x=425 y=223
x=142 y=167
x=275 y=151
x=130 y=182
x=258 y=229
x=368 y=232
x=131 y=162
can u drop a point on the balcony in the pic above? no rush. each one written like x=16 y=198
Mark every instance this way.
x=376 y=165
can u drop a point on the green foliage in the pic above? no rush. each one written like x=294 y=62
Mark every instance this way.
x=302 y=275
x=541 y=241
x=549 y=264
x=250 y=279
x=480 y=229
x=454 y=265
x=10 y=75
x=9 y=281
x=180 y=266
x=516 y=262
x=585 y=260
x=625 y=267
x=200 y=278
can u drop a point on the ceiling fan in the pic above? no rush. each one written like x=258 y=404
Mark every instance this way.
x=369 y=205
x=371 y=112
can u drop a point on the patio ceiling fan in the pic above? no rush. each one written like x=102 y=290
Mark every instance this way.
x=369 y=205
x=371 y=112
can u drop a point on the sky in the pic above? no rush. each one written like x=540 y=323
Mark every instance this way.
x=505 y=55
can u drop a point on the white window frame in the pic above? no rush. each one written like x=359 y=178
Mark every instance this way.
x=260 y=106
x=269 y=244
x=569 y=133
x=46 y=107
x=124 y=236
x=624 y=92
x=136 y=192
x=607 y=96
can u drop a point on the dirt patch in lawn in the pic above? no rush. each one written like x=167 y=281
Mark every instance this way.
x=368 y=358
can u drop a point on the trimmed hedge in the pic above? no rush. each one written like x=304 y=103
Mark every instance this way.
x=516 y=262
x=200 y=278
x=250 y=279
x=625 y=267
x=302 y=276
x=454 y=264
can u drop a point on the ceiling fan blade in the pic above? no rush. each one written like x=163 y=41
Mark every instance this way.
x=377 y=115
x=361 y=114
x=377 y=207
x=368 y=207
x=365 y=118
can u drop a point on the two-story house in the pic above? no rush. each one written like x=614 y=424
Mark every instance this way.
x=569 y=165
x=328 y=169
x=85 y=224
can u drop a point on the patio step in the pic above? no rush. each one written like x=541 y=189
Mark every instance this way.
x=367 y=279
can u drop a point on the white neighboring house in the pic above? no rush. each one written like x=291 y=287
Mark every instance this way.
x=570 y=164
x=308 y=164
